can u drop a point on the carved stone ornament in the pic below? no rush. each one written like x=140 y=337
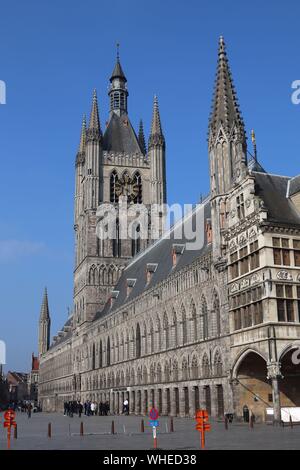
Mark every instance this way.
x=248 y=203
x=273 y=369
x=283 y=275
x=234 y=288
x=232 y=213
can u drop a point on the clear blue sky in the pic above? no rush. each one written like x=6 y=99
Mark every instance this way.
x=53 y=53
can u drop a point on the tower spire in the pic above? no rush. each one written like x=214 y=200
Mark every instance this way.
x=156 y=134
x=118 y=89
x=44 y=325
x=82 y=142
x=45 y=307
x=141 y=138
x=94 y=124
x=225 y=108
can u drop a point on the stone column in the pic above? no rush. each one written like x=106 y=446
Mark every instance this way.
x=274 y=374
x=143 y=402
x=192 y=391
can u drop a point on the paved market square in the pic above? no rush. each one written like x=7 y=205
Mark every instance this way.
x=32 y=434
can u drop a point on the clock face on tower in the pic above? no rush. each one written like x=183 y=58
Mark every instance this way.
x=127 y=187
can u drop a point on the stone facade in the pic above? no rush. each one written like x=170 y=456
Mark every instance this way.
x=212 y=328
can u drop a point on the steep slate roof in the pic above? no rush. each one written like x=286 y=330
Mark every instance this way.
x=66 y=336
x=120 y=136
x=159 y=253
x=273 y=190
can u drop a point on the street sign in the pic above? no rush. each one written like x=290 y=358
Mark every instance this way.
x=154 y=423
x=9 y=421
x=153 y=413
x=202 y=425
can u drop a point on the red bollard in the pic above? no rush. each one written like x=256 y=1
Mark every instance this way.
x=49 y=430
x=112 y=427
x=142 y=426
x=81 y=429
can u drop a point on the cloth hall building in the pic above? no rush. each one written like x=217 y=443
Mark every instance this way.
x=163 y=325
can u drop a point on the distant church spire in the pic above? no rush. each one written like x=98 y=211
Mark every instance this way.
x=225 y=108
x=94 y=129
x=156 y=134
x=118 y=89
x=44 y=325
x=141 y=138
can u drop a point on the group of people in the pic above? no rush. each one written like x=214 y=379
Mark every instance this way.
x=89 y=408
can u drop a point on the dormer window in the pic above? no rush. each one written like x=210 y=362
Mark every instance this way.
x=150 y=270
x=130 y=285
x=177 y=251
x=113 y=297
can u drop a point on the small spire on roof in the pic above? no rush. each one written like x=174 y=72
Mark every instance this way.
x=141 y=138
x=156 y=134
x=94 y=129
x=253 y=138
x=45 y=315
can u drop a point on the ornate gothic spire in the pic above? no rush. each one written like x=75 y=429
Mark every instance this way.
x=45 y=315
x=156 y=135
x=81 y=149
x=94 y=129
x=141 y=138
x=225 y=108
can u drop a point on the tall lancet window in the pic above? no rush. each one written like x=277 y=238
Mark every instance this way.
x=113 y=183
x=136 y=240
x=137 y=182
x=116 y=242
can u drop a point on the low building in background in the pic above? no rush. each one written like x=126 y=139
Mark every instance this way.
x=17 y=386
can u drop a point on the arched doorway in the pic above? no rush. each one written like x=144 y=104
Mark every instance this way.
x=289 y=385
x=252 y=389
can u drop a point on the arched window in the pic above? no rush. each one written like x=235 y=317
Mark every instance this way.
x=195 y=368
x=175 y=328
x=151 y=334
x=93 y=357
x=216 y=308
x=166 y=330
x=158 y=373
x=205 y=366
x=194 y=326
x=137 y=181
x=116 y=242
x=113 y=184
x=100 y=355
x=184 y=325
x=218 y=366
x=175 y=370
x=108 y=352
x=204 y=318
x=184 y=369
x=138 y=341
x=167 y=372
x=136 y=240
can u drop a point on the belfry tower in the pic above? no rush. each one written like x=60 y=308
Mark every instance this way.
x=112 y=166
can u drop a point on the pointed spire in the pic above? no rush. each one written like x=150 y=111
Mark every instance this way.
x=141 y=138
x=156 y=135
x=94 y=129
x=45 y=315
x=81 y=149
x=225 y=108
x=118 y=71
